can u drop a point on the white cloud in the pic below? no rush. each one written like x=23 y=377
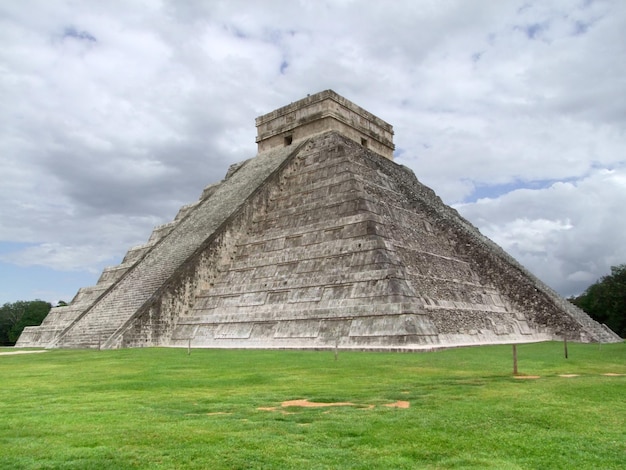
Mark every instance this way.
x=569 y=234
x=56 y=256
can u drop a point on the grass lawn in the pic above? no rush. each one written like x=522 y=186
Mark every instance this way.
x=221 y=409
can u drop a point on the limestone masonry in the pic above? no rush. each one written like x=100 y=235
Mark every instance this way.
x=320 y=241
x=323 y=112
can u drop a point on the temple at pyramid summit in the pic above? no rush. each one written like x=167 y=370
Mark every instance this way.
x=319 y=241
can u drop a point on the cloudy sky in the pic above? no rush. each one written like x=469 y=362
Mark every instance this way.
x=114 y=114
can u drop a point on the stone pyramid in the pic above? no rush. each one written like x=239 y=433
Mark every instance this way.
x=320 y=241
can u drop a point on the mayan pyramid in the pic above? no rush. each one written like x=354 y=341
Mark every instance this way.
x=319 y=241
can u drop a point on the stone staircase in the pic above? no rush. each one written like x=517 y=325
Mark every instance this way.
x=97 y=313
x=60 y=319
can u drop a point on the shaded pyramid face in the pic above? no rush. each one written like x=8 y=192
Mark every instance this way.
x=318 y=244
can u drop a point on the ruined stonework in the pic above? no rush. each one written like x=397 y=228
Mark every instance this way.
x=320 y=241
x=320 y=113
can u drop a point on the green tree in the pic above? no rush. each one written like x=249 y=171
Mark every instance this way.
x=605 y=301
x=15 y=316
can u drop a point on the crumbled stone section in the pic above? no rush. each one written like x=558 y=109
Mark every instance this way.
x=320 y=241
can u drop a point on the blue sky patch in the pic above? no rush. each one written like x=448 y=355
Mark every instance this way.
x=38 y=282
x=493 y=191
x=72 y=32
x=533 y=30
x=477 y=56
x=9 y=247
x=283 y=67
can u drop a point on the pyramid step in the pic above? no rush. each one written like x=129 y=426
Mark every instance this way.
x=325 y=243
x=285 y=311
x=256 y=294
x=162 y=231
x=328 y=204
x=318 y=193
x=87 y=295
x=135 y=253
x=335 y=206
x=337 y=329
x=300 y=281
x=209 y=191
x=37 y=336
x=111 y=274
x=185 y=210
x=309 y=176
x=60 y=317
x=283 y=191
x=235 y=167
x=324 y=250
x=310 y=230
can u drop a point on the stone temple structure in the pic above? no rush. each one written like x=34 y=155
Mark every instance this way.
x=319 y=241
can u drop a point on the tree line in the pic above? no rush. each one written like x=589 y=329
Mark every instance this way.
x=15 y=316
x=605 y=301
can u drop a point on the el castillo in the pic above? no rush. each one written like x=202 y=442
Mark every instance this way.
x=319 y=241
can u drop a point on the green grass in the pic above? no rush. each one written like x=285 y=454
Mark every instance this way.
x=160 y=408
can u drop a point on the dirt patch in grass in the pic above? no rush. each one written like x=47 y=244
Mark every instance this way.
x=612 y=374
x=398 y=404
x=567 y=376
x=304 y=403
x=526 y=376
x=11 y=353
x=311 y=404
